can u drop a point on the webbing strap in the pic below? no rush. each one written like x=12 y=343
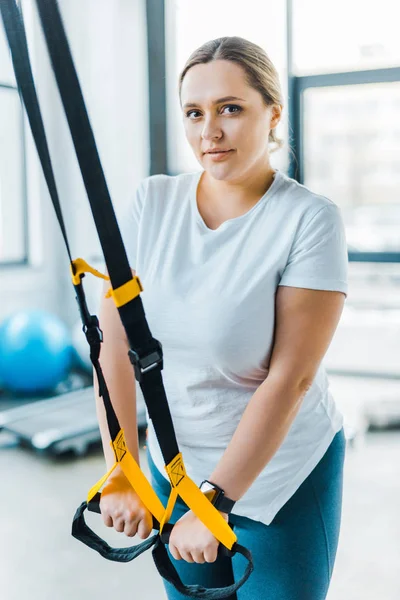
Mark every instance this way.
x=170 y=574
x=84 y=534
x=136 y=477
x=125 y=293
x=122 y=295
x=15 y=32
x=132 y=313
x=197 y=502
x=97 y=486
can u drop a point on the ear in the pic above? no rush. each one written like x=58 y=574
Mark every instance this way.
x=276 y=113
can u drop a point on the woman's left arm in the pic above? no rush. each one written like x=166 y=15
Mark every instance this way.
x=306 y=321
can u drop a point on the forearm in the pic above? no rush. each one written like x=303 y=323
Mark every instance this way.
x=120 y=379
x=261 y=431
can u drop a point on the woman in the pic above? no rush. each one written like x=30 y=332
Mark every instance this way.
x=245 y=277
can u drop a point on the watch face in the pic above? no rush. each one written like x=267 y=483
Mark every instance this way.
x=207 y=487
x=211 y=495
x=209 y=491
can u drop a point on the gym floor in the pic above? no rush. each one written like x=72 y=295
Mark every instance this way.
x=40 y=560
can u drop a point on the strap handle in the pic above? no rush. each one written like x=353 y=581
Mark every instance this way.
x=166 y=569
x=82 y=532
x=170 y=574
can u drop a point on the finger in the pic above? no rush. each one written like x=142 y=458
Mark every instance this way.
x=198 y=557
x=143 y=529
x=130 y=528
x=210 y=554
x=186 y=556
x=174 y=552
x=119 y=524
x=107 y=520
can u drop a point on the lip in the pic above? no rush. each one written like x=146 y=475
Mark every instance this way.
x=216 y=150
x=218 y=154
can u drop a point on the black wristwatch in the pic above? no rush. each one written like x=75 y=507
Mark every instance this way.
x=217 y=497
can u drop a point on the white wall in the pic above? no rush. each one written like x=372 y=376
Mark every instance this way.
x=108 y=42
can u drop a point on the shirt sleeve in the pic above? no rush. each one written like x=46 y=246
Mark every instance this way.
x=129 y=223
x=318 y=259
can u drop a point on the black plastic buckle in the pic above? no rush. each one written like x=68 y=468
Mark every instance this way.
x=92 y=331
x=143 y=364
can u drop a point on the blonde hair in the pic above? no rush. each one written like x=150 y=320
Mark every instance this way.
x=260 y=71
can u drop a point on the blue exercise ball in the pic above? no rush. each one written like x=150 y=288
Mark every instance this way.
x=35 y=351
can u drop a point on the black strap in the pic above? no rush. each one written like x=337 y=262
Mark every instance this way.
x=169 y=573
x=15 y=31
x=84 y=534
x=132 y=314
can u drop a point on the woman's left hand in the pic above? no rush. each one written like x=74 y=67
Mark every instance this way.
x=190 y=540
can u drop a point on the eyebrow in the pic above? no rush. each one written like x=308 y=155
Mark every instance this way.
x=219 y=101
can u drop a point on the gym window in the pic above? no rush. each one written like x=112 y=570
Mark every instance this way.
x=13 y=197
x=345 y=121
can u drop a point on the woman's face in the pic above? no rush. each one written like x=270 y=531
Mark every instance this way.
x=221 y=112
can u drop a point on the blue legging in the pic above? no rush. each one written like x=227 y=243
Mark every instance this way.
x=294 y=555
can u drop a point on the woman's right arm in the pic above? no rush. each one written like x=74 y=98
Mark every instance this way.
x=120 y=506
x=120 y=378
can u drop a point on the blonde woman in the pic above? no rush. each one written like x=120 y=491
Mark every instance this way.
x=245 y=279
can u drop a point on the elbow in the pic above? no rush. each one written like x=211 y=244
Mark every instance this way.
x=305 y=384
x=290 y=382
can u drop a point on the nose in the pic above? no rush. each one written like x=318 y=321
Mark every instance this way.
x=211 y=130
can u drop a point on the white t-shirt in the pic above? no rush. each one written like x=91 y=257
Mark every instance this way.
x=209 y=297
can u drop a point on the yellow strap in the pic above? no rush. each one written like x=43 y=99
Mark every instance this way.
x=81 y=267
x=122 y=295
x=135 y=476
x=198 y=502
x=127 y=292
x=93 y=491
x=170 y=507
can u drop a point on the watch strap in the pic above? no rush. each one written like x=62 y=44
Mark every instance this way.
x=224 y=504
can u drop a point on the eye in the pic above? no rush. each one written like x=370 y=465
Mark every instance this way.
x=237 y=109
x=233 y=109
x=190 y=112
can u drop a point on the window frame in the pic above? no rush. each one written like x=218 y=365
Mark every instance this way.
x=5 y=264
x=156 y=56
x=297 y=85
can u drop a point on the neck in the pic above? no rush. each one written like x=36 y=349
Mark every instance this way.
x=242 y=191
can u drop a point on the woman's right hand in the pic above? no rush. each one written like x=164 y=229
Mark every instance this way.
x=122 y=508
